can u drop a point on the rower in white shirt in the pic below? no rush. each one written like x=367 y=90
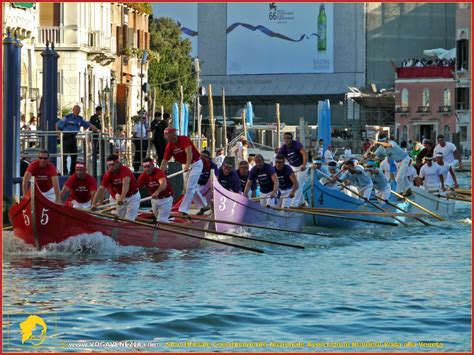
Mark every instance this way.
x=447 y=171
x=402 y=161
x=432 y=176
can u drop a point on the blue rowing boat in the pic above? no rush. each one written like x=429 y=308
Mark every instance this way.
x=321 y=197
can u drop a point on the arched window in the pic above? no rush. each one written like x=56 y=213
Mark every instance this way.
x=447 y=97
x=447 y=132
x=405 y=97
x=426 y=97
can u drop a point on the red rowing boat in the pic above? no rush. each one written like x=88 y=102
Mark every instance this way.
x=39 y=222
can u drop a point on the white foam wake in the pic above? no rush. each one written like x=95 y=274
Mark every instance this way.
x=94 y=243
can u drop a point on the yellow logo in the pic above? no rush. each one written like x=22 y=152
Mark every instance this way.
x=30 y=330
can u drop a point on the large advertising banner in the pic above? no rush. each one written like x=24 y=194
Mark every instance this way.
x=186 y=15
x=278 y=38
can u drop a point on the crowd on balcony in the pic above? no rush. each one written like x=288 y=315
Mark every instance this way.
x=419 y=63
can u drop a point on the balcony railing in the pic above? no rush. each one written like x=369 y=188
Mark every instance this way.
x=423 y=109
x=445 y=109
x=402 y=109
x=50 y=34
x=96 y=41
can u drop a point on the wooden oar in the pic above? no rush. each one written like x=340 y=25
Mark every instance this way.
x=115 y=217
x=9 y=228
x=435 y=215
x=176 y=225
x=255 y=226
x=457 y=198
x=300 y=210
x=369 y=213
x=265 y=198
x=463 y=191
x=401 y=209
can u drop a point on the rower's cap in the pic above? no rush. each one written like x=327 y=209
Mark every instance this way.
x=80 y=165
x=382 y=138
x=170 y=130
x=354 y=160
x=429 y=157
x=317 y=161
x=332 y=164
x=370 y=163
x=439 y=155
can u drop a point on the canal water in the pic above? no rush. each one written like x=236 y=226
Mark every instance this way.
x=374 y=288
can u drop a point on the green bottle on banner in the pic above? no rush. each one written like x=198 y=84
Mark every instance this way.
x=322 y=25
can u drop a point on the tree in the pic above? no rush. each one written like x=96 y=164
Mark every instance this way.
x=175 y=65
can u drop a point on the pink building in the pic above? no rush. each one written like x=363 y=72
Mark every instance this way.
x=424 y=103
x=463 y=76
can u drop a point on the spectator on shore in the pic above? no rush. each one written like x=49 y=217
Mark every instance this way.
x=71 y=125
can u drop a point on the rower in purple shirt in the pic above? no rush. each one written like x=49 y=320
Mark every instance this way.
x=243 y=173
x=266 y=177
x=286 y=180
x=228 y=177
x=297 y=157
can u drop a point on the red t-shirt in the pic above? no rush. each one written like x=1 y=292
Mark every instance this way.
x=80 y=190
x=153 y=182
x=113 y=181
x=43 y=175
x=178 y=150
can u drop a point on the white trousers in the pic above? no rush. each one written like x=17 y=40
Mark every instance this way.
x=199 y=199
x=162 y=208
x=50 y=195
x=265 y=199
x=191 y=179
x=129 y=209
x=284 y=201
x=301 y=177
x=383 y=194
x=79 y=205
x=401 y=178
x=365 y=191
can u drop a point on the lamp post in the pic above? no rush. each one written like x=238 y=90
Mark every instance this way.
x=197 y=120
x=142 y=63
x=106 y=92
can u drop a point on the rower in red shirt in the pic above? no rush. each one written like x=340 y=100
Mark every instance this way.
x=46 y=177
x=123 y=188
x=183 y=151
x=159 y=188
x=81 y=188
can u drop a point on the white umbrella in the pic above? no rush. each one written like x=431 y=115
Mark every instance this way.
x=451 y=54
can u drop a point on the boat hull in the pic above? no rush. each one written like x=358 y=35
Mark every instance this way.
x=319 y=196
x=44 y=222
x=431 y=202
x=232 y=207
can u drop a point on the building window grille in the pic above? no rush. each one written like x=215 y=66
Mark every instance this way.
x=463 y=133
x=462 y=54
x=462 y=98
x=405 y=97
x=426 y=97
x=447 y=132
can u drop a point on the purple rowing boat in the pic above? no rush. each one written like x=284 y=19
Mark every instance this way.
x=232 y=207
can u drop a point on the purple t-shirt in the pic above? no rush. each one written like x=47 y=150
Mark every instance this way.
x=284 y=181
x=230 y=182
x=243 y=181
x=292 y=153
x=264 y=177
